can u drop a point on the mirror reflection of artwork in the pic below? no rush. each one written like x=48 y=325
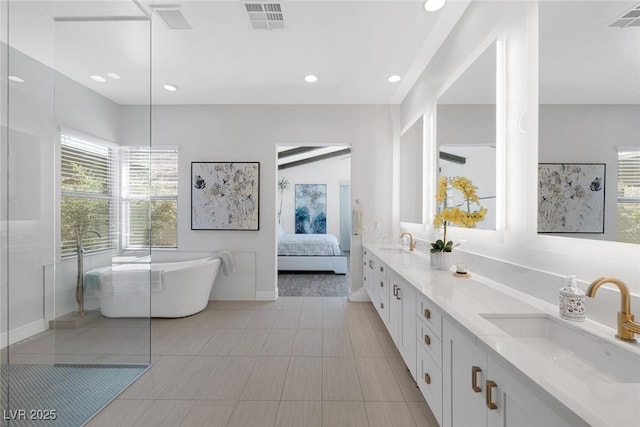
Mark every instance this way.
x=225 y=195
x=571 y=198
x=311 y=209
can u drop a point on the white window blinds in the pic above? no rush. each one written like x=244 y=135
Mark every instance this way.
x=628 y=212
x=87 y=208
x=149 y=197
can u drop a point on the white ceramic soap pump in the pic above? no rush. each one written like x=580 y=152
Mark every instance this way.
x=572 y=300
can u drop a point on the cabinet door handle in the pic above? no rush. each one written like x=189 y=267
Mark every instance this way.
x=395 y=290
x=427 y=340
x=427 y=378
x=489 y=386
x=427 y=313
x=474 y=379
x=399 y=293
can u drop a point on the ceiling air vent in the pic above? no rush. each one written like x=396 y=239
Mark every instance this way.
x=265 y=16
x=172 y=16
x=629 y=19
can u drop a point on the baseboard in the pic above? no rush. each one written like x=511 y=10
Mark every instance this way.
x=22 y=332
x=359 y=295
x=266 y=295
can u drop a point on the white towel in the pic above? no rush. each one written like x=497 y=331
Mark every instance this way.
x=228 y=267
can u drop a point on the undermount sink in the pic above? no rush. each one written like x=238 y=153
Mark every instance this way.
x=394 y=249
x=570 y=348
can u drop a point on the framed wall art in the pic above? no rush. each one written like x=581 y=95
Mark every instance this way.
x=311 y=209
x=225 y=195
x=571 y=197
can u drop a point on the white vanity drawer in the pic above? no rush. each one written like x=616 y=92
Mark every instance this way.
x=430 y=315
x=430 y=342
x=429 y=380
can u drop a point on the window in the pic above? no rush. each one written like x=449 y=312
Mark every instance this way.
x=87 y=204
x=628 y=221
x=149 y=176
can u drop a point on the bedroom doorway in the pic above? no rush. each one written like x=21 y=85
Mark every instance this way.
x=313 y=221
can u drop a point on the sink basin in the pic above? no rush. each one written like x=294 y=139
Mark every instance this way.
x=394 y=250
x=572 y=349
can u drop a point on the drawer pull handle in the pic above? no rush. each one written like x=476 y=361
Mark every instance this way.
x=427 y=313
x=381 y=269
x=395 y=291
x=489 y=386
x=474 y=379
x=427 y=340
x=381 y=305
x=382 y=284
x=427 y=379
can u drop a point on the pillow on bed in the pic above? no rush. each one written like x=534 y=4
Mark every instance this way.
x=280 y=230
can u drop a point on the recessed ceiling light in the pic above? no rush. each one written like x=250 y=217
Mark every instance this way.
x=16 y=79
x=170 y=87
x=433 y=5
x=394 y=79
x=97 y=78
x=310 y=78
x=114 y=76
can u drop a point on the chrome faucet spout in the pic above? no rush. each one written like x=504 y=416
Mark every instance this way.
x=627 y=326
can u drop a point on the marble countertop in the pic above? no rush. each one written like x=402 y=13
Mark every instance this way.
x=588 y=390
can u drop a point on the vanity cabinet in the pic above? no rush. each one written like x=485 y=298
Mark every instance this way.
x=368 y=275
x=402 y=318
x=429 y=353
x=381 y=290
x=479 y=390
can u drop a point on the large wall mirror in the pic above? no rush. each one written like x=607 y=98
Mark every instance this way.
x=589 y=120
x=411 y=172
x=466 y=134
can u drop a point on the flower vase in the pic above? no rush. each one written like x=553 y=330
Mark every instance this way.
x=442 y=260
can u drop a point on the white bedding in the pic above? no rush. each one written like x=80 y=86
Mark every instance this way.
x=308 y=245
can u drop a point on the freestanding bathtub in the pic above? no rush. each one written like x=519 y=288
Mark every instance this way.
x=178 y=289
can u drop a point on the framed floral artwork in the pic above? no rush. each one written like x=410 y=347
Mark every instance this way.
x=571 y=197
x=225 y=195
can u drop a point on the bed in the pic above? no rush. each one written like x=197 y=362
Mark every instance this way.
x=310 y=252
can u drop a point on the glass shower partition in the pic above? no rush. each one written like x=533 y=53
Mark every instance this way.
x=76 y=301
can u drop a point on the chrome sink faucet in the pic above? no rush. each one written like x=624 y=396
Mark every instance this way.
x=412 y=243
x=627 y=326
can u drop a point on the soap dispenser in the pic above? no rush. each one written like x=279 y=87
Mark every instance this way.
x=572 y=300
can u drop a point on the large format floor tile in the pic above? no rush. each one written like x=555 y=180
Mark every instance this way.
x=298 y=361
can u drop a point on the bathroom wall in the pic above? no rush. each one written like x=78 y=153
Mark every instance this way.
x=252 y=133
x=590 y=134
x=330 y=172
x=37 y=109
x=516 y=244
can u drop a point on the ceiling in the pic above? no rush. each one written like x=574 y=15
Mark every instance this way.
x=352 y=47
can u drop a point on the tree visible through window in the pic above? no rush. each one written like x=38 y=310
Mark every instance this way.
x=150 y=179
x=86 y=203
x=628 y=221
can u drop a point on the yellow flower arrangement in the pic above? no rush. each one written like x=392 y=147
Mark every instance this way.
x=453 y=214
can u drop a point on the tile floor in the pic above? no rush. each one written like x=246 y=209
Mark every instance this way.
x=298 y=361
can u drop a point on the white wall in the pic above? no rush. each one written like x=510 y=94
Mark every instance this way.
x=516 y=244
x=330 y=172
x=252 y=133
x=590 y=134
x=37 y=108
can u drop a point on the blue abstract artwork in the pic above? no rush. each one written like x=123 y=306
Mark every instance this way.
x=311 y=209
